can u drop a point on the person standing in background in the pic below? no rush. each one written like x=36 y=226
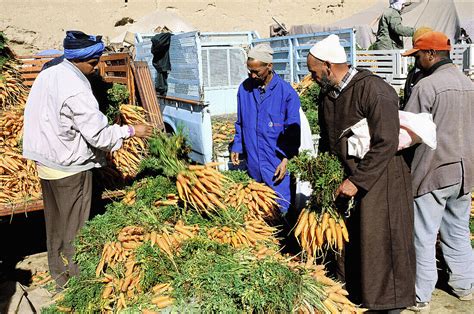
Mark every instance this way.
x=391 y=31
x=415 y=74
x=268 y=124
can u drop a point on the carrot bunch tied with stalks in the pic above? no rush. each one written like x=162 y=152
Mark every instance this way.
x=169 y=239
x=318 y=231
x=320 y=225
x=201 y=187
x=247 y=235
x=320 y=293
x=126 y=160
x=258 y=198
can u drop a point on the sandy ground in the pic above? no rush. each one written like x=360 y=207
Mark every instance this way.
x=34 y=25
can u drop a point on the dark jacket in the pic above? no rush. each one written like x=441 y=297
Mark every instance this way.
x=413 y=77
x=160 y=46
x=391 y=31
x=380 y=257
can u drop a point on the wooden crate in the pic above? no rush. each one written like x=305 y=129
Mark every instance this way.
x=31 y=67
x=116 y=68
x=20 y=208
x=147 y=94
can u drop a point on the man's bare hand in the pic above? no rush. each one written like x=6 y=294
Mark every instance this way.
x=346 y=189
x=280 y=170
x=143 y=130
x=234 y=157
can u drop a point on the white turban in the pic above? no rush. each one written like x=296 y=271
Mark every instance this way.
x=261 y=52
x=329 y=49
x=397 y=4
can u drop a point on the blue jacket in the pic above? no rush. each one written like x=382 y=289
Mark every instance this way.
x=267 y=130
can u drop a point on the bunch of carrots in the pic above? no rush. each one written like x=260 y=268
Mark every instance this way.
x=126 y=160
x=13 y=92
x=315 y=231
x=334 y=295
x=257 y=197
x=201 y=187
x=251 y=233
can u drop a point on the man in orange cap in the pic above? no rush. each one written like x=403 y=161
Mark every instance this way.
x=443 y=178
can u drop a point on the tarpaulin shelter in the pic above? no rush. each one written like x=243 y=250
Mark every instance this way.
x=155 y=22
x=446 y=16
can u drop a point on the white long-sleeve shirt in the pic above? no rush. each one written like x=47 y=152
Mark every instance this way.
x=63 y=127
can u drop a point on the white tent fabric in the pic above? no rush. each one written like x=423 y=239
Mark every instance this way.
x=149 y=23
x=445 y=16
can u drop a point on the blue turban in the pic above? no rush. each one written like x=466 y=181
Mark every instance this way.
x=80 y=46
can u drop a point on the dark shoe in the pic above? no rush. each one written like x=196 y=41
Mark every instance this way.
x=467 y=297
x=423 y=307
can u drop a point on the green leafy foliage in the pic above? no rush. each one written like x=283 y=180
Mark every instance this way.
x=217 y=278
x=166 y=154
x=117 y=95
x=157 y=267
x=4 y=56
x=238 y=176
x=309 y=104
x=324 y=172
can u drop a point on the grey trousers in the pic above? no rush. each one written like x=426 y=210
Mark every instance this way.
x=67 y=204
x=443 y=210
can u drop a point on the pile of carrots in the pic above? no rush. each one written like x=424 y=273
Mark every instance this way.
x=117 y=292
x=223 y=131
x=314 y=231
x=17 y=175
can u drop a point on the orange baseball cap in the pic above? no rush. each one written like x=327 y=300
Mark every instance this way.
x=430 y=41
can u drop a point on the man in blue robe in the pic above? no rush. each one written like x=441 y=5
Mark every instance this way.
x=268 y=124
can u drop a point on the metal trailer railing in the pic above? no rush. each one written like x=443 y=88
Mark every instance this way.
x=290 y=52
x=393 y=67
x=388 y=64
x=218 y=64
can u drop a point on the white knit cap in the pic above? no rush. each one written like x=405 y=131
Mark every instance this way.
x=261 y=52
x=329 y=49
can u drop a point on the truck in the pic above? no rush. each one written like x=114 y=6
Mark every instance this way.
x=206 y=71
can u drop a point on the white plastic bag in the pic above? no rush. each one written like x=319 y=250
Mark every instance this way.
x=303 y=188
x=414 y=128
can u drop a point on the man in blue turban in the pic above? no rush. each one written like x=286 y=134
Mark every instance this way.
x=67 y=136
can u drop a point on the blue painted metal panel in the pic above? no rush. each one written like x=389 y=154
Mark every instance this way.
x=184 y=77
x=291 y=51
x=195 y=121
